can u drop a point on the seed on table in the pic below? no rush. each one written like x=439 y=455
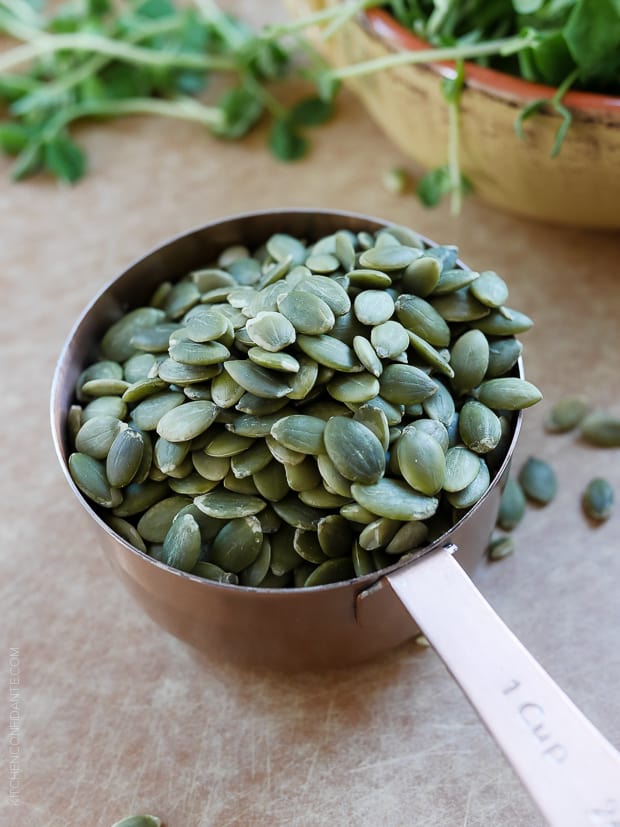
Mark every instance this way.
x=512 y=505
x=538 y=480
x=598 y=499
x=601 y=428
x=500 y=547
x=566 y=414
x=139 y=821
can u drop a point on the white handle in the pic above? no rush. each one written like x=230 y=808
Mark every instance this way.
x=571 y=771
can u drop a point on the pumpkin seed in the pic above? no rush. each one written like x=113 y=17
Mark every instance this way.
x=367 y=278
x=393 y=413
x=257 y=406
x=237 y=544
x=307 y=313
x=333 y=480
x=142 y=389
x=124 y=457
x=284 y=558
x=357 y=514
x=189 y=352
x=389 y=339
x=451 y=280
x=507 y=393
x=434 y=428
x=208 y=278
x=304 y=380
x=138 y=496
x=362 y=561
x=225 y=392
x=274 y=361
x=322 y=263
x=209 y=571
x=328 y=351
x=257 y=380
x=271 y=331
x=187 y=421
x=378 y=533
x=250 y=425
x=418 y=315
x=367 y=355
x=105 y=406
x=470 y=360
x=334 y=570
x=421 y=276
x=376 y=421
x=462 y=467
x=256 y=572
x=512 y=505
x=89 y=475
x=190 y=483
x=601 y=428
x=138 y=367
x=327 y=289
x=598 y=499
x=320 y=497
x=295 y=513
x=538 y=480
x=127 y=531
x=479 y=428
x=282 y=246
x=307 y=546
x=373 y=307
x=104 y=387
x=421 y=460
x=116 y=342
x=302 y=476
x=176 y=373
x=490 y=289
x=394 y=499
x=409 y=536
x=344 y=250
x=354 y=449
x=503 y=355
x=246 y=485
x=406 y=384
x=359 y=387
x=154 y=339
x=499 y=324
x=460 y=306
x=567 y=414
x=271 y=483
x=154 y=524
x=226 y=505
x=440 y=406
x=300 y=433
x=96 y=435
x=469 y=496
x=500 y=547
x=227 y=444
x=251 y=460
x=139 y=821
x=429 y=354
x=104 y=369
x=388 y=257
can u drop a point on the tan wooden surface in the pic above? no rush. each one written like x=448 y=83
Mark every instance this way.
x=117 y=717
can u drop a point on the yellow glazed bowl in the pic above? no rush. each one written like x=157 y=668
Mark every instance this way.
x=581 y=186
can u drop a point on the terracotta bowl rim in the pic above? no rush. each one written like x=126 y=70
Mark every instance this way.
x=499 y=84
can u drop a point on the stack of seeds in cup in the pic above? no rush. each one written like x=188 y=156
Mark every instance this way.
x=302 y=413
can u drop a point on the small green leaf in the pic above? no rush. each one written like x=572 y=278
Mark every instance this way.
x=433 y=185
x=311 y=112
x=285 y=142
x=28 y=162
x=154 y=9
x=13 y=137
x=64 y=159
x=241 y=109
x=527 y=6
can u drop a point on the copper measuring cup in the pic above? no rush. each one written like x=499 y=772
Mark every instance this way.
x=572 y=772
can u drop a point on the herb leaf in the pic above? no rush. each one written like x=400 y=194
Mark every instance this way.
x=285 y=141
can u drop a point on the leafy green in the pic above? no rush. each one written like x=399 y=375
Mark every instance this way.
x=285 y=141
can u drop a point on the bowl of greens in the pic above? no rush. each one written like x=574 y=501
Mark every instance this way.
x=517 y=99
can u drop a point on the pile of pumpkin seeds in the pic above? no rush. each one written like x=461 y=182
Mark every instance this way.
x=302 y=413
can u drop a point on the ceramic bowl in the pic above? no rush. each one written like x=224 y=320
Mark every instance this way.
x=580 y=186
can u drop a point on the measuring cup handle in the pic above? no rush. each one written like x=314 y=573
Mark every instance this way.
x=571 y=771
